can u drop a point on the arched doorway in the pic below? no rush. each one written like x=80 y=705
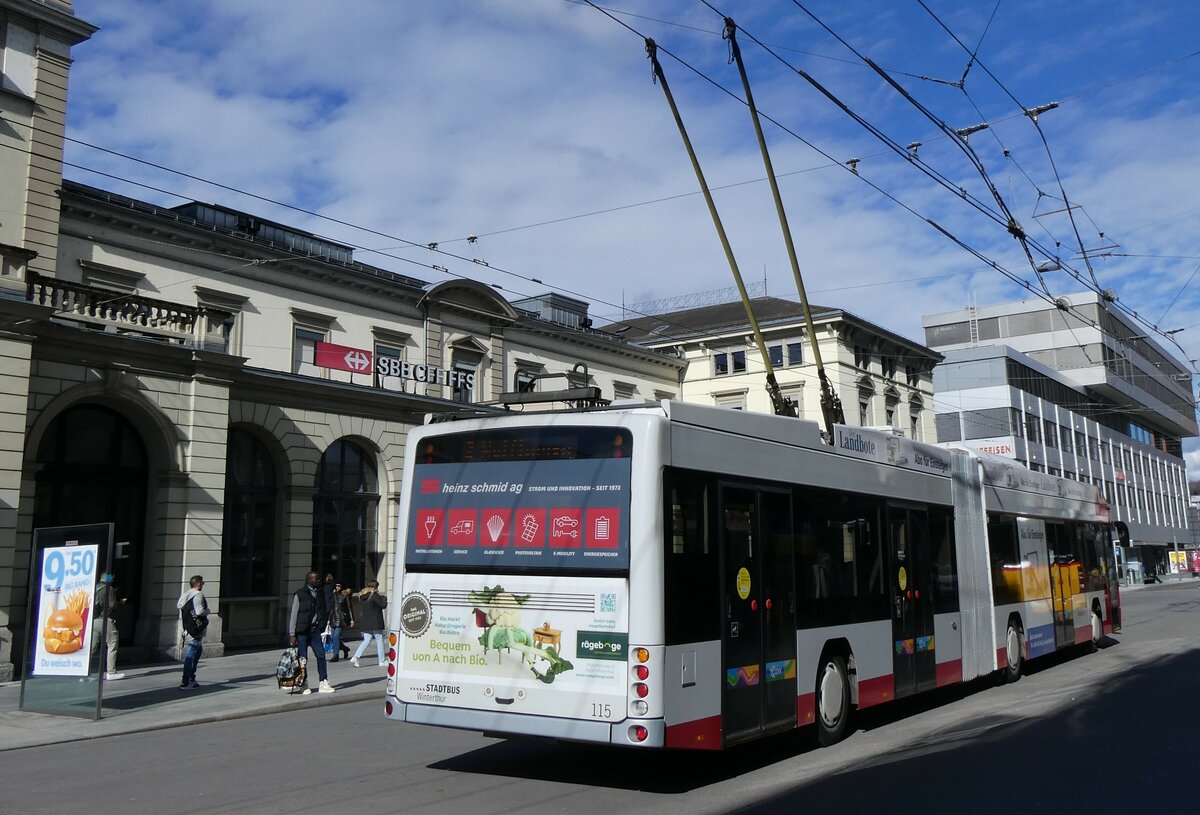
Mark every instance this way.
x=93 y=469
x=345 y=513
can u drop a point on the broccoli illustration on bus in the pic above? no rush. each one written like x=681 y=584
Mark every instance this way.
x=500 y=619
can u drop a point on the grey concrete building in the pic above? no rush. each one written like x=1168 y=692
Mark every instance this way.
x=1081 y=392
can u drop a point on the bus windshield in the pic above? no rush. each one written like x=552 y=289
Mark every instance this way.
x=542 y=499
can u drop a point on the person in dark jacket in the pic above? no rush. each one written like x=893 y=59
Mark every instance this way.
x=340 y=617
x=306 y=622
x=370 y=619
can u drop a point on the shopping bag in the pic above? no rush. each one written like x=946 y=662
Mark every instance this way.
x=327 y=640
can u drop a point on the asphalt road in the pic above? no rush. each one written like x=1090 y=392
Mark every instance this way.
x=1114 y=731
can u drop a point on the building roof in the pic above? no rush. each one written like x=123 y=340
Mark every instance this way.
x=707 y=320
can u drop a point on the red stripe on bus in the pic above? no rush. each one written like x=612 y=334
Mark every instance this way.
x=875 y=691
x=1001 y=657
x=949 y=673
x=806 y=709
x=700 y=734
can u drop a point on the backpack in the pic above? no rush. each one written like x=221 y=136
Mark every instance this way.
x=291 y=673
x=193 y=623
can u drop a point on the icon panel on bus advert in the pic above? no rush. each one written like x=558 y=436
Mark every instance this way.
x=541 y=514
x=540 y=645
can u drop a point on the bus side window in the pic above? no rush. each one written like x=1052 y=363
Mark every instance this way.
x=944 y=579
x=1006 y=563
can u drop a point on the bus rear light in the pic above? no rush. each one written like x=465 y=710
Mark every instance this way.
x=639 y=707
x=387 y=707
x=641 y=654
x=641 y=689
x=391 y=669
x=391 y=655
x=393 y=639
x=641 y=672
x=638 y=733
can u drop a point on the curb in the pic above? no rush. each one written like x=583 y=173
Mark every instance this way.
x=226 y=715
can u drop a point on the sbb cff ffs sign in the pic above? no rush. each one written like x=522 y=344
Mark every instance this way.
x=361 y=361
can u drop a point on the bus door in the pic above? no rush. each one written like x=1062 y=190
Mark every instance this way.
x=914 y=660
x=759 y=640
x=1062 y=574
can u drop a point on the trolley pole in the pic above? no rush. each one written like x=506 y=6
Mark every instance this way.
x=831 y=405
x=781 y=404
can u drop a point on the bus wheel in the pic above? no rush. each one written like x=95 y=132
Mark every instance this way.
x=1097 y=631
x=833 y=700
x=1011 y=671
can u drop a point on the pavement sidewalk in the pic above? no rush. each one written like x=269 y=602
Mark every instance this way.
x=231 y=687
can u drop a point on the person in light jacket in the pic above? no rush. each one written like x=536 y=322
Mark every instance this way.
x=370 y=619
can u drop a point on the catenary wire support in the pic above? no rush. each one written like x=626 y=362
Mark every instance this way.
x=782 y=405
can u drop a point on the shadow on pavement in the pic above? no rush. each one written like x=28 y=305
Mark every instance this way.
x=1112 y=750
x=1127 y=749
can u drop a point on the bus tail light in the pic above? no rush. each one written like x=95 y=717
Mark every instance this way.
x=641 y=689
x=391 y=669
x=393 y=639
x=641 y=672
x=638 y=733
x=639 y=707
x=641 y=654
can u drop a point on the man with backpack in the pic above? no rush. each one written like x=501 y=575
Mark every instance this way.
x=193 y=613
x=308 y=618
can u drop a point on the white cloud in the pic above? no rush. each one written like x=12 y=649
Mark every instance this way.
x=431 y=120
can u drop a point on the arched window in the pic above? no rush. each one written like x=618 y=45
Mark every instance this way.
x=344 y=514
x=94 y=469
x=248 y=535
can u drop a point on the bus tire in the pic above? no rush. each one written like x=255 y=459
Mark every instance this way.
x=1014 y=653
x=1097 y=631
x=833 y=700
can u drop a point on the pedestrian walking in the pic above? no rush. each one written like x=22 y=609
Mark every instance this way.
x=306 y=622
x=103 y=608
x=340 y=616
x=370 y=619
x=193 y=613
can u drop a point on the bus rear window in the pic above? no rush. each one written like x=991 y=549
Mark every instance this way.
x=526 y=499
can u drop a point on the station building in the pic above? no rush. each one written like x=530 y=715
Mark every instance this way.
x=232 y=393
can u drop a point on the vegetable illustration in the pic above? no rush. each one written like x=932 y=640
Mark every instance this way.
x=502 y=630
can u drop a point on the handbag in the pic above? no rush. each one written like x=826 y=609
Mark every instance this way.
x=327 y=639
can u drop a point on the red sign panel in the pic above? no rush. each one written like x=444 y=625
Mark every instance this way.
x=430 y=527
x=530 y=527
x=343 y=358
x=495 y=527
x=463 y=527
x=602 y=528
x=566 y=528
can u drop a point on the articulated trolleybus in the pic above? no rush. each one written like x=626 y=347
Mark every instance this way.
x=673 y=575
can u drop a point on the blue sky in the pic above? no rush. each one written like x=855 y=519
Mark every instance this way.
x=535 y=126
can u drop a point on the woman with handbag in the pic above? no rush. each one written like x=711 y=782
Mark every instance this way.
x=371 y=604
x=340 y=617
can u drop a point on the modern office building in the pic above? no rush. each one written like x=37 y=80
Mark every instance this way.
x=1081 y=392
x=882 y=379
x=231 y=393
